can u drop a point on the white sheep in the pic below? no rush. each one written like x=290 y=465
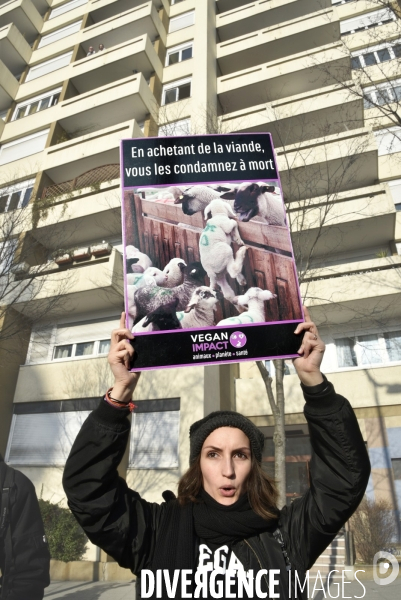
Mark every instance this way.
x=254 y=299
x=141 y=279
x=200 y=309
x=174 y=272
x=195 y=198
x=257 y=199
x=136 y=261
x=215 y=249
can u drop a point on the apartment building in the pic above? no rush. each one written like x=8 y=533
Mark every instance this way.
x=79 y=76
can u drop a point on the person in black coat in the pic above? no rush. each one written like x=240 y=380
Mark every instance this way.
x=24 y=551
x=223 y=536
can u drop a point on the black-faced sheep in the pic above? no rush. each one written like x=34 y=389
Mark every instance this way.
x=216 y=253
x=149 y=298
x=163 y=318
x=257 y=199
x=200 y=309
x=254 y=299
x=174 y=272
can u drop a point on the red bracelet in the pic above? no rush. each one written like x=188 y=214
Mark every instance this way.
x=118 y=403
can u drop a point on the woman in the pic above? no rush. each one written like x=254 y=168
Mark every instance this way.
x=224 y=535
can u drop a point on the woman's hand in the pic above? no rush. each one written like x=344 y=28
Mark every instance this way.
x=310 y=353
x=120 y=355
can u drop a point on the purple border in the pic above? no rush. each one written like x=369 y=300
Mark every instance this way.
x=216 y=328
x=266 y=323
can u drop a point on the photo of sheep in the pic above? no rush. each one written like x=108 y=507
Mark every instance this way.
x=207 y=256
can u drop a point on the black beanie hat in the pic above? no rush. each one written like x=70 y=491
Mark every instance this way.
x=200 y=430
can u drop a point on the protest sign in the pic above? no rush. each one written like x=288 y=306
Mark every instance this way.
x=209 y=271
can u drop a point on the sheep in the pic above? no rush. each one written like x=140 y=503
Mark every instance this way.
x=256 y=199
x=136 y=261
x=141 y=279
x=200 y=309
x=215 y=249
x=149 y=298
x=197 y=197
x=254 y=299
x=151 y=277
x=173 y=272
x=163 y=318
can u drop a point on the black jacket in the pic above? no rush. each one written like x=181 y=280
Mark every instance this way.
x=31 y=558
x=124 y=525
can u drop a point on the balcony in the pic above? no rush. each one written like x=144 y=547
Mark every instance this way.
x=8 y=87
x=100 y=10
x=123 y=100
x=241 y=18
x=93 y=285
x=115 y=31
x=284 y=78
x=135 y=22
x=63 y=380
x=101 y=69
x=69 y=159
x=25 y=17
x=278 y=41
x=92 y=212
x=328 y=165
x=15 y=52
x=302 y=117
x=363 y=387
x=347 y=222
x=345 y=293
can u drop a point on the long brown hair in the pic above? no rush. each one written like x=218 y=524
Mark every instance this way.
x=261 y=488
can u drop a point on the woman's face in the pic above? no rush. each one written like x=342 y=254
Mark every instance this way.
x=225 y=464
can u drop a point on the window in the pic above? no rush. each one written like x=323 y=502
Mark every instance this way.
x=396 y=464
x=23 y=147
x=16 y=195
x=178 y=54
x=393 y=345
x=49 y=66
x=37 y=104
x=182 y=21
x=346 y=356
x=382 y=94
x=388 y=140
x=367 y=21
x=7 y=250
x=70 y=340
x=375 y=56
x=175 y=1
x=60 y=10
x=91 y=348
x=182 y=127
x=154 y=435
x=59 y=34
x=176 y=91
x=42 y=433
x=371 y=349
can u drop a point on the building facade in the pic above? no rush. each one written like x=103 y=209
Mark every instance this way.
x=79 y=76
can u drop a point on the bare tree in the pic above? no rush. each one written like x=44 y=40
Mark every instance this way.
x=31 y=285
x=375 y=55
